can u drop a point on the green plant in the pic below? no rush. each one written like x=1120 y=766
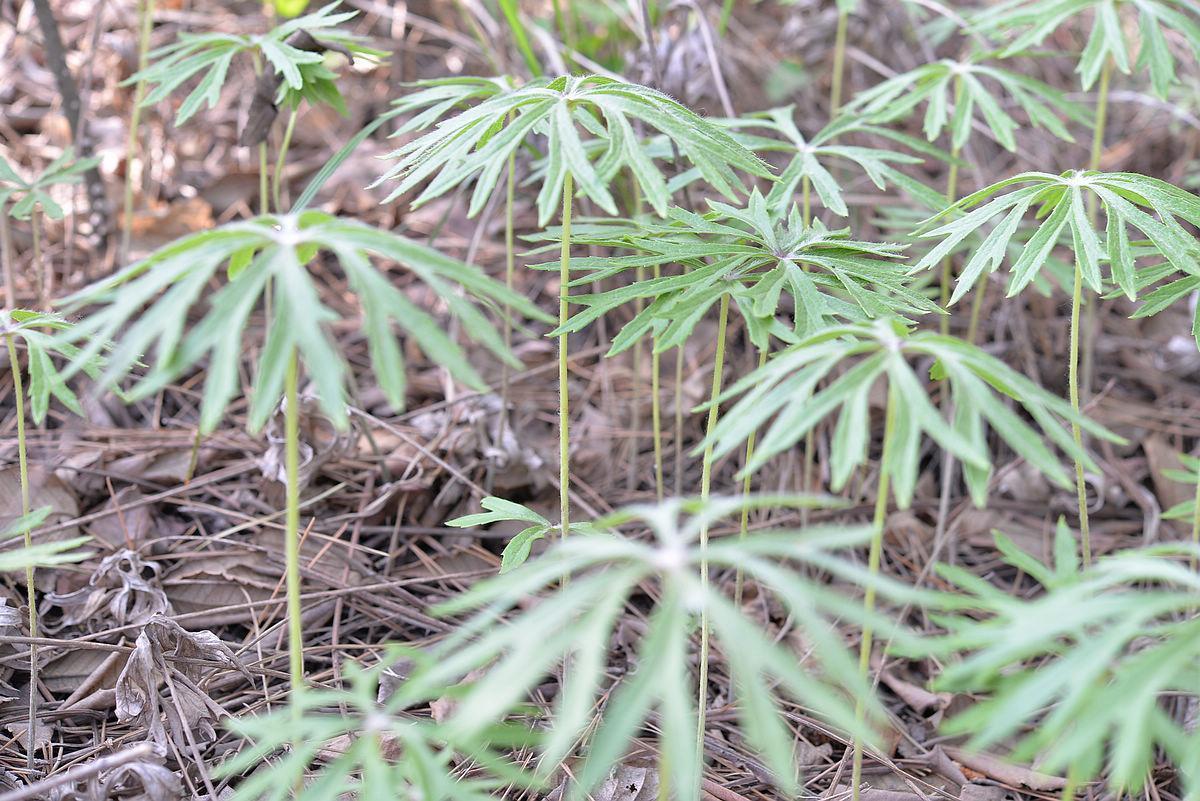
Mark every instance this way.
x=271 y=253
x=30 y=200
x=606 y=569
x=788 y=388
x=45 y=382
x=951 y=91
x=1151 y=206
x=145 y=24
x=295 y=52
x=366 y=744
x=1077 y=676
x=517 y=551
x=476 y=144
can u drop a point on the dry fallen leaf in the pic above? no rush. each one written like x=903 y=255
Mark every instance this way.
x=123 y=590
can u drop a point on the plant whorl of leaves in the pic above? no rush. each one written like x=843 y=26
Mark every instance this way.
x=158 y=293
x=1128 y=200
x=789 y=388
x=303 y=72
x=816 y=159
x=1037 y=19
x=33 y=193
x=42 y=335
x=43 y=554
x=1077 y=676
x=577 y=619
x=367 y=746
x=476 y=144
x=756 y=259
x=951 y=90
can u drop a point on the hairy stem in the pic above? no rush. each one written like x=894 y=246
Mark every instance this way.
x=291 y=413
x=145 y=23
x=281 y=159
x=705 y=489
x=873 y=559
x=564 y=439
x=30 y=597
x=839 y=64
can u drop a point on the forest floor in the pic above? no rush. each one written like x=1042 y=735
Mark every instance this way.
x=207 y=553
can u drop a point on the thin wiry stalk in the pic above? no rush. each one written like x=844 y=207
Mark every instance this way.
x=6 y=256
x=1085 y=539
x=39 y=269
x=281 y=159
x=679 y=421
x=291 y=412
x=635 y=421
x=564 y=439
x=656 y=407
x=839 y=64
x=145 y=20
x=30 y=597
x=1195 y=524
x=726 y=14
x=951 y=198
x=705 y=489
x=509 y=264
x=264 y=203
x=976 y=308
x=873 y=559
x=744 y=524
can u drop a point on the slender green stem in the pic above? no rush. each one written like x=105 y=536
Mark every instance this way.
x=264 y=191
x=705 y=489
x=976 y=308
x=679 y=420
x=292 y=526
x=564 y=417
x=1101 y=121
x=951 y=197
x=1195 y=524
x=635 y=409
x=1087 y=363
x=744 y=525
x=30 y=597
x=39 y=269
x=810 y=438
x=1085 y=541
x=6 y=258
x=146 y=22
x=509 y=270
x=839 y=64
x=873 y=560
x=656 y=407
x=726 y=14
x=281 y=159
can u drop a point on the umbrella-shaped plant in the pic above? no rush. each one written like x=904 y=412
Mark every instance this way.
x=368 y=744
x=1128 y=201
x=745 y=259
x=952 y=93
x=575 y=621
x=31 y=199
x=294 y=52
x=35 y=332
x=145 y=308
x=475 y=145
x=789 y=389
x=1082 y=676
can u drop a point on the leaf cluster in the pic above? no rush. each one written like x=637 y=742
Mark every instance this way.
x=34 y=193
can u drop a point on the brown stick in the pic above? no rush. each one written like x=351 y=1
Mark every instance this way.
x=79 y=772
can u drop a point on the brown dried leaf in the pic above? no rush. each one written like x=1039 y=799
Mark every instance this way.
x=123 y=590
x=166 y=653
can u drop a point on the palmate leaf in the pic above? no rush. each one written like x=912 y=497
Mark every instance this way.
x=210 y=55
x=790 y=389
x=1126 y=200
x=755 y=259
x=1034 y=20
x=575 y=621
x=36 y=331
x=344 y=743
x=475 y=144
x=146 y=306
x=1077 y=676
x=952 y=91
x=43 y=554
x=820 y=158
x=31 y=194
